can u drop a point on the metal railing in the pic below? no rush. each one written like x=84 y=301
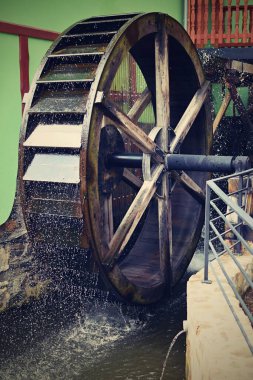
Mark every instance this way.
x=226 y=215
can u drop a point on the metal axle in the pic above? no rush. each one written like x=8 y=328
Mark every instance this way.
x=190 y=162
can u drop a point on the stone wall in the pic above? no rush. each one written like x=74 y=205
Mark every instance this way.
x=20 y=280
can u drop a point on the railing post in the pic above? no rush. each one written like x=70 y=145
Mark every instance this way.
x=205 y=31
x=240 y=186
x=213 y=23
x=220 y=29
x=245 y=22
x=193 y=17
x=206 y=242
x=237 y=16
x=229 y=23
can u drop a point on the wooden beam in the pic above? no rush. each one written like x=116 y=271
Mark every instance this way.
x=241 y=109
x=140 y=105
x=189 y=117
x=132 y=179
x=27 y=31
x=222 y=110
x=163 y=121
x=133 y=131
x=132 y=218
x=190 y=185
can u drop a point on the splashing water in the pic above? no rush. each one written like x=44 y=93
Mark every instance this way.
x=168 y=353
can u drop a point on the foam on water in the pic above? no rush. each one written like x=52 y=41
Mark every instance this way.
x=66 y=353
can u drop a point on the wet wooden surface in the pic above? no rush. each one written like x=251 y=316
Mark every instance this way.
x=55 y=135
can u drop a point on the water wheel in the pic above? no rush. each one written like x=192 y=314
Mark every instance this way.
x=127 y=85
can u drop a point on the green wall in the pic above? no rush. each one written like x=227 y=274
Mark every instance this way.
x=54 y=15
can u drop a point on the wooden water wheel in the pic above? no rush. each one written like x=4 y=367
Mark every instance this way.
x=80 y=132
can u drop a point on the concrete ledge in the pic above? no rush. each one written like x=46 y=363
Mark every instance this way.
x=216 y=348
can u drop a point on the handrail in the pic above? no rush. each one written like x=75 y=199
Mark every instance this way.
x=215 y=240
x=24 y=32
x=220 y=25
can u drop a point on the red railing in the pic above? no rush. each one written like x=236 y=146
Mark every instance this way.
x=24 y=32
x=210 y=22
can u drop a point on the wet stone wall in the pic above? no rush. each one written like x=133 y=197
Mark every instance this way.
x=19 y=277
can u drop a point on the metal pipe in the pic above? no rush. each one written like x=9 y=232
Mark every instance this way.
x=206 y=163
x=184 y=162
x=126 y=160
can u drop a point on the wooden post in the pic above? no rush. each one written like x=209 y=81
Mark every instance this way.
x=220 y=33
x=199 y=23
x=205 y=32
x=251 y=25
x=192 y=32
x=245 y=22
x=213 y=31
x=163 y=121
x=189 y=17
x=23 y=66
x=229 y=22
x=237 y=15
x=222 y=110
x=132 y=76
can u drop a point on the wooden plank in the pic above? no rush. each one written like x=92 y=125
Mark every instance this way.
x=132 y=179
x=132 y=217
x=62 y=168
x=62 y=101
x=241 y=67
x=191 y=186
x=107 y=210
x=136 y=134
x=222 y=110
x=55 y=207
x=189 y=116
x=140 y=105
x=55 y=135
x=163 y=121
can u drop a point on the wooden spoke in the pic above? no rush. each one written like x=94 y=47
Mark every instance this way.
x=132 y=130
x=240 y=106
x=188 y=117
x=190 y=185
x=222 y=110
x=163 y=121
x=131 y=179
x=108 y=217
x=140 y=105
x=132 y=218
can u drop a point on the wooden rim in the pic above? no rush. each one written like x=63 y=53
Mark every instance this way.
x=69 y=100
x=107 y=252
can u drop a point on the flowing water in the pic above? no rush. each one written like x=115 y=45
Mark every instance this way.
x=72 y=335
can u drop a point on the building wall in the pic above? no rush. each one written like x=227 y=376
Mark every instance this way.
x=56 y=16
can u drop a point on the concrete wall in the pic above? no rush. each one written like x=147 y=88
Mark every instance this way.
x=216 y=348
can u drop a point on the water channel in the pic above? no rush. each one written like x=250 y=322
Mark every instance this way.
x=72 y=335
